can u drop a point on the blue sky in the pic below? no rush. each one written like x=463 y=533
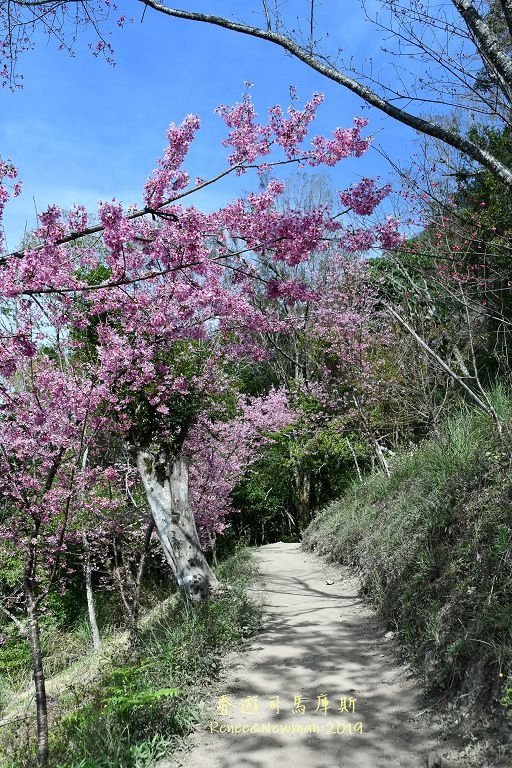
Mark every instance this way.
x=81 y=130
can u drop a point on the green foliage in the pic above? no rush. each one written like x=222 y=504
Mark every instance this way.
x=432 y=544
x=134 y=715
x=11 y=563
x=124 y=691
x=15 y=663
x=146 y=753
x=124 y=720
x=482 y=187
x=303 y=467
x=506 y=700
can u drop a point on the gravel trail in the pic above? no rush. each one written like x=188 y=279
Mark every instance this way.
x=319 y=642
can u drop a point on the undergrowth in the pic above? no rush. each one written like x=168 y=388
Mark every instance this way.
x=433 y=548
x=143 y=704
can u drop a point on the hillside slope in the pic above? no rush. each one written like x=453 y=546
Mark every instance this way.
x=432 y=547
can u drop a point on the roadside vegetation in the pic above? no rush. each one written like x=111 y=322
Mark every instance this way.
x=431 y=544
x=135 y=705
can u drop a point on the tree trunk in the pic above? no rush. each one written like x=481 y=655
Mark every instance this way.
x=356 y=463
x=166 y=484
x=137 y=585
x=39 y=682
x=96 y=640
x=380 y=455
x=371 y=436
x=302 y=482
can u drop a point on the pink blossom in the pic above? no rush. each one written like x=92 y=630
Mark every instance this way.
x=363 y=197
x=346 y=142
x=178 y=302
x=290 y=133
x=222 y=451
x=248 y=138
x=168 y=176
x=388 y=233
x=291 y=290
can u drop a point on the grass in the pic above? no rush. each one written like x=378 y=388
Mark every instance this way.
x=433 y=547
x=132 y=711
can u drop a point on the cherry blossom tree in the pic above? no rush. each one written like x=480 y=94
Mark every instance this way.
x=133 y=336
x=48 y=420
x=221 y=451
x=331 y=352
x=162 y=316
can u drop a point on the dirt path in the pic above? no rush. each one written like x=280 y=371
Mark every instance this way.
x=318 y=639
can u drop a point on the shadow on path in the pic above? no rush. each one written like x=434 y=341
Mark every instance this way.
x=320 y=648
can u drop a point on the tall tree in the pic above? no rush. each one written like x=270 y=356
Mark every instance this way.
x=156 y=309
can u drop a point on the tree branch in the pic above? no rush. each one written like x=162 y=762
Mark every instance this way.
x=427 y=127
x=21 y=627
x=446 y=368
x=147 y=210
x=267 y=14
x=487 y=42
x=507 y=11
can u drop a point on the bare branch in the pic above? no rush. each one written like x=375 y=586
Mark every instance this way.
x=20 y=625
x=446 y=368
x=427 y=127
x=312 y=24
x=486 y=41
x=267 y=15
